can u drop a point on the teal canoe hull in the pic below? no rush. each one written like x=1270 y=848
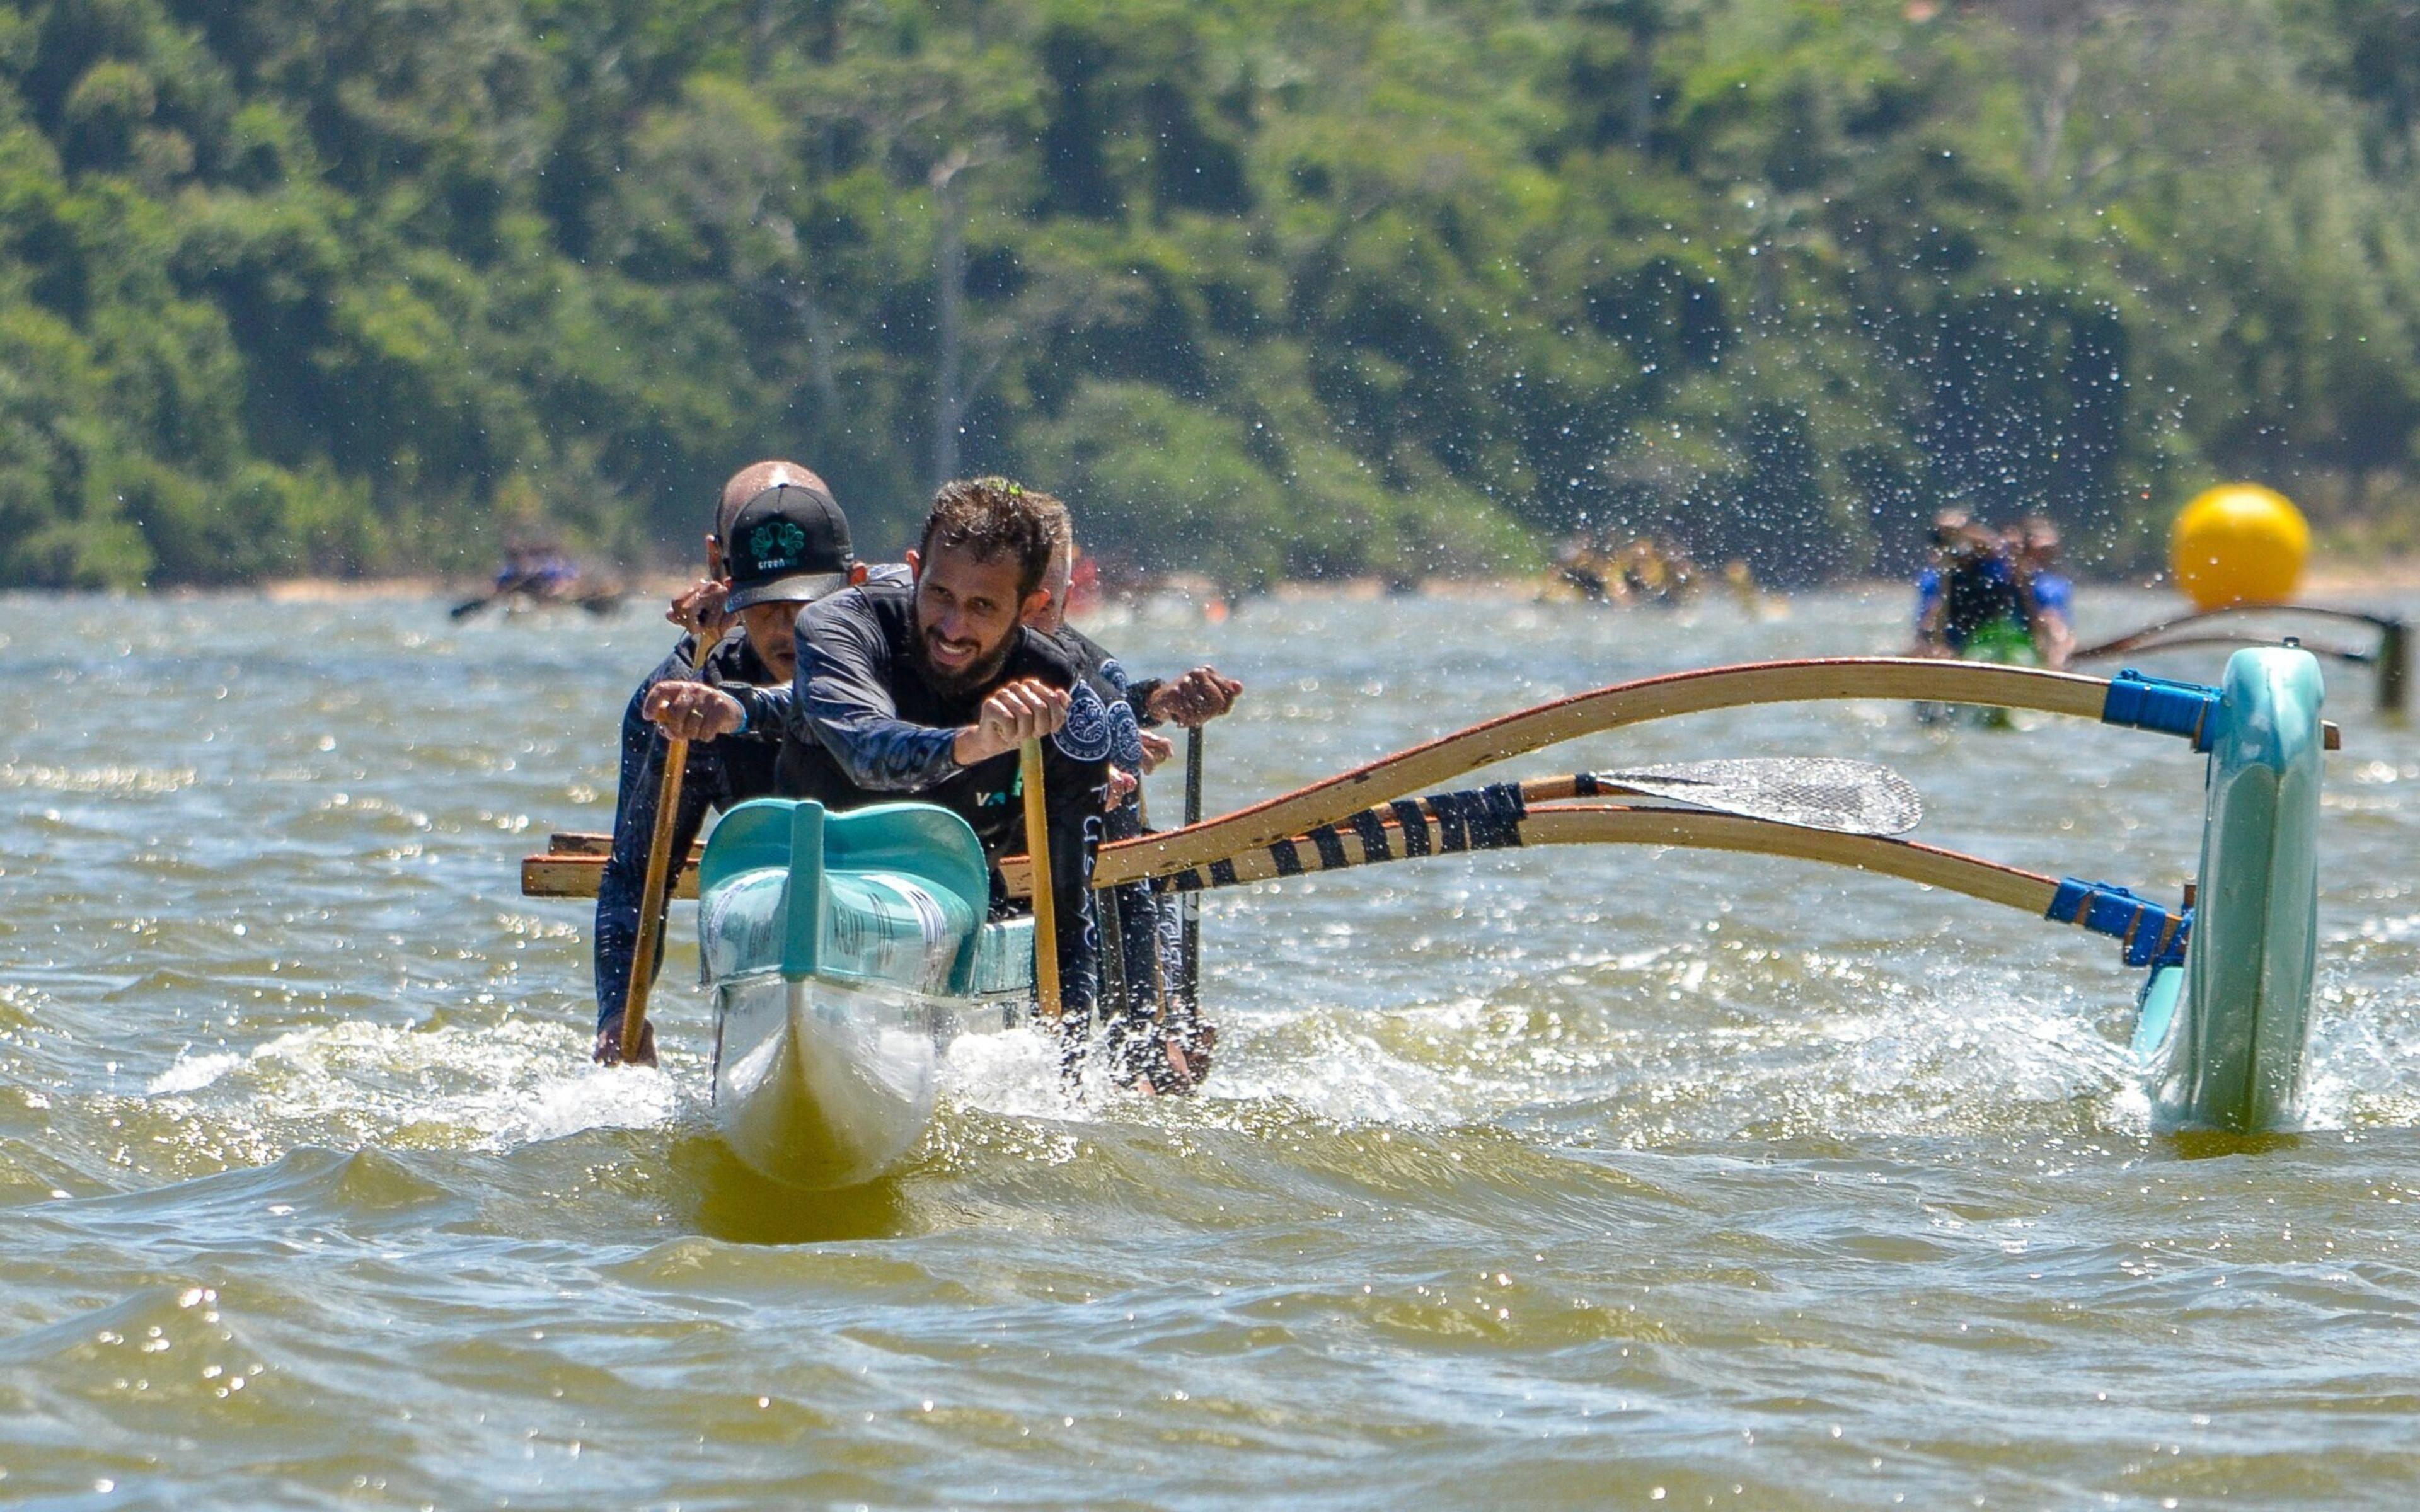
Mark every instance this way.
x=844 y=953
x=2223 y=1040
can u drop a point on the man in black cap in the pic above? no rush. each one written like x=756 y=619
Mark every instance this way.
x=780 y=542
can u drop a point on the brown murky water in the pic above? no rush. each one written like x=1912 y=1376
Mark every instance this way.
x=1562 y=1178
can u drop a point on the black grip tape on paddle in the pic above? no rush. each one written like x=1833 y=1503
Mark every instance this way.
x=1415 y=820
x=1478 y=819
x=1329 y=842
x=1372 y=831
x=1453 y=833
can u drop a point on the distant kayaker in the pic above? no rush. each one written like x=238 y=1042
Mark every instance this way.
x=537 y=571
x=780 y=542
x=1969 y=603
x=1148 y=932
x=927 y=690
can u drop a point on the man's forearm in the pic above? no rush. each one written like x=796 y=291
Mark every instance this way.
x=766 y=711
x=1137 y=697
x=884 y=755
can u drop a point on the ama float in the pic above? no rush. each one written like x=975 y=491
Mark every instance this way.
x=845 y=952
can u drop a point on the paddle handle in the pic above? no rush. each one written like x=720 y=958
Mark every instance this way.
x=654 y=896
x=1045 y=899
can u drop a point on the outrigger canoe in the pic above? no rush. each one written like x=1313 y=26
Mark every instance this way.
x=845 y=952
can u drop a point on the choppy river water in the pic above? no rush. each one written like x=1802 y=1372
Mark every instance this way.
x=1565 y=1178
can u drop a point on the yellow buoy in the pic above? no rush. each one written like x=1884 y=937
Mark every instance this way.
x=2239 y=544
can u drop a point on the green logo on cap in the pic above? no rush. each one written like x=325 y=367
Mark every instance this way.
x=776 y=545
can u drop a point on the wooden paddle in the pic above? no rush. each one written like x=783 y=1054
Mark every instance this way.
x=2137 y=640
x=1615 y=823
x=2392 y=656
x=652 y=901
x=1820 y=793
x=1045 y=902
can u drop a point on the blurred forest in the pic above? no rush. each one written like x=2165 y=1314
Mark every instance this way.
x=1265 y=288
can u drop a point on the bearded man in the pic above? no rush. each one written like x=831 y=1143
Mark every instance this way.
x=927 y=690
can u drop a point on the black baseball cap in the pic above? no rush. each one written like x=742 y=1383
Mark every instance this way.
x=789 y=544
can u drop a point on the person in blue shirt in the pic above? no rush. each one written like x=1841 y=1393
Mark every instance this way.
x=1972 y=591
x=2049 y=596
x=780 y=543
x=1154 y=1033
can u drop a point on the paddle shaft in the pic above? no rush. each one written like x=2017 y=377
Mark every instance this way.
x=1045 y=901
x=1188 y=955
x=653 y=901
x=1416 y=830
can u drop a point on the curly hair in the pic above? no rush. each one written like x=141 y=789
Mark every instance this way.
x=996 y=518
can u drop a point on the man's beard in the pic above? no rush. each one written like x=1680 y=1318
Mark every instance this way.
x=974 y=678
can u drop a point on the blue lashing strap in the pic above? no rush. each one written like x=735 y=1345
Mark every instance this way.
x=2152 y=935
x=2161 y=704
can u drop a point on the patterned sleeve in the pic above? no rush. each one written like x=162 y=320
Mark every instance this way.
x=844 y=702
x=1135 y=695
x=1075 y=772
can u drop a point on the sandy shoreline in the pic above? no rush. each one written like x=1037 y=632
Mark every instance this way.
x=2333 y=581
x=365 y=590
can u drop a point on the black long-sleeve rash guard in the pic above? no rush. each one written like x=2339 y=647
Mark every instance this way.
x=861 y=724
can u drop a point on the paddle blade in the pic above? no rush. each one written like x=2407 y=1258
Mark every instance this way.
x=1816 y=792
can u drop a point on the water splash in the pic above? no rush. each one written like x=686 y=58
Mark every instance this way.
x=475 y=1089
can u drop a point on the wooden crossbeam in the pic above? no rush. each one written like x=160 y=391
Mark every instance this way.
x=575 y=872
x=1916 y=680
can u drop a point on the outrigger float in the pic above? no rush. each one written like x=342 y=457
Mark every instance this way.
x=845 y=952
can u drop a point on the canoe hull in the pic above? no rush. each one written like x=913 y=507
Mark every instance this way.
x=844 y=953
x=2223 y=1040
x=822 y=1084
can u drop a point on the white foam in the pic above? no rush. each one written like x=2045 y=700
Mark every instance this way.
x=1014 y=1073
x=193 y=1076
x=616 y=1097
x=487 y=1087
x=1362 y=1085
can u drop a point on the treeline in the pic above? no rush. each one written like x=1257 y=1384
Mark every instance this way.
x=1266 y=287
